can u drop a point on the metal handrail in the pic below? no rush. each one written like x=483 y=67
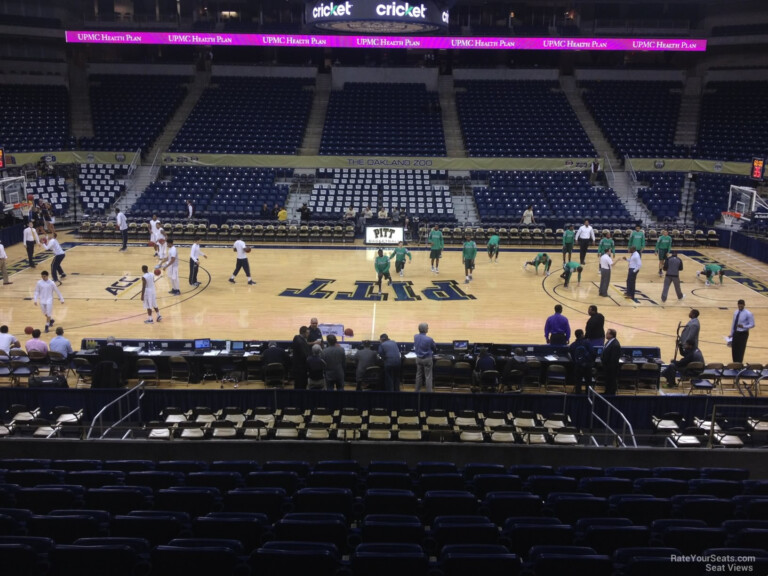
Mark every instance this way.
x=134 y=163
x=631 y=169
x=593 y=397
x=136 y=392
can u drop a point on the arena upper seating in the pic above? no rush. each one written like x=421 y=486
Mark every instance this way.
x=557 y=198
x=130 y=111
x=382 y=119
x=34 y=118
x=217 y=193
x=712 y=195
x=247 y=115
x=418 y=193
x=52 y=190
x=730 y=125
x=100 y=186
x=504 y=118
x=662 y=196
x=638 y=119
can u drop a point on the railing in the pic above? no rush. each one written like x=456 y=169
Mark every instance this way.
x=125 y=409
x=610 y=175
x=617 y=437
x=154 y=170
x=134 y=162
x=630 y=169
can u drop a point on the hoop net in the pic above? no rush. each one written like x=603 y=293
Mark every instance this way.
x=730 y=217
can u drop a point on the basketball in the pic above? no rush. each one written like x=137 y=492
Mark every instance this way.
x=161 y=241
x=28 y=330
x=349 y=332
x=158 y=271
x=151 y=244
x=248 y=249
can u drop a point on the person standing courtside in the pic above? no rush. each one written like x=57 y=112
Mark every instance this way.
x=173 y=268
x=242 y=261
x=335 y=359
x=390 y=355
x=194 y=262
x=743 y=322
x=30 y=239
x=365 y=357
x=610 y=360
x=557 y=329
x=586 y=237
x=633 y=269
x=606 y=264
x=301 y=351
x=425 y=349
x=594 y=331
x=3 y=264
x=673 y=267
x=122 y=224
x=691 y=331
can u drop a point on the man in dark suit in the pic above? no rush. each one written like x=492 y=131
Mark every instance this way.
x=301 y=351
x=610 y=358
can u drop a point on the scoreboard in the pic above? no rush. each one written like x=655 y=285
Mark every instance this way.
x=758 y=168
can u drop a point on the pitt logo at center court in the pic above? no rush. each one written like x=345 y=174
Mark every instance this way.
x=441 y=290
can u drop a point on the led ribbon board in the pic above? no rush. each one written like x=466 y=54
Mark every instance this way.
x=388 y=42
x=377 y=16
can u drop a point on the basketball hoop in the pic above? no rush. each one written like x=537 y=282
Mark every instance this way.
x=730 y=217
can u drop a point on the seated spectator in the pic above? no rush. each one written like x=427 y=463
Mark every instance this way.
x=282 y=214
x=394 y=215
x=349 y=214
x=383 y=214
x=515 y=368
x=690 y=354
x=60 y=344
x=483 y=363
x=316 y=369
x=274 y=355
x=35 y=344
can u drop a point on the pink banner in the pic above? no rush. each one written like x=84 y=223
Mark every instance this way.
x=388 y=42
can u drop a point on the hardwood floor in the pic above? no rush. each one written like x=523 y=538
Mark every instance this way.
x=502 y=304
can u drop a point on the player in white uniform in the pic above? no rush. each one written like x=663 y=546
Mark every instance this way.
x=44 y=290
x=162 y=244
x=148 y=294
x=172 y=267
x=242 y=261
x=154 y=229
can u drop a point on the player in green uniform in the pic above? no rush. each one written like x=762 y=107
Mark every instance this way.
x=399 y=255
x=637 y=239
x=436 y=244
x=663 y=246
x=493 y=248
x=468 y=254
x=381 y=264
x=541 y=258
x=568 y=237
x=606 y=245
x=568 y=269
x=710 y=271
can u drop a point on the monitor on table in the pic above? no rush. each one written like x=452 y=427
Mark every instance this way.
x=202 y=345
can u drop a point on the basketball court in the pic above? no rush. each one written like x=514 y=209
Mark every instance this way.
x=336 y=284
